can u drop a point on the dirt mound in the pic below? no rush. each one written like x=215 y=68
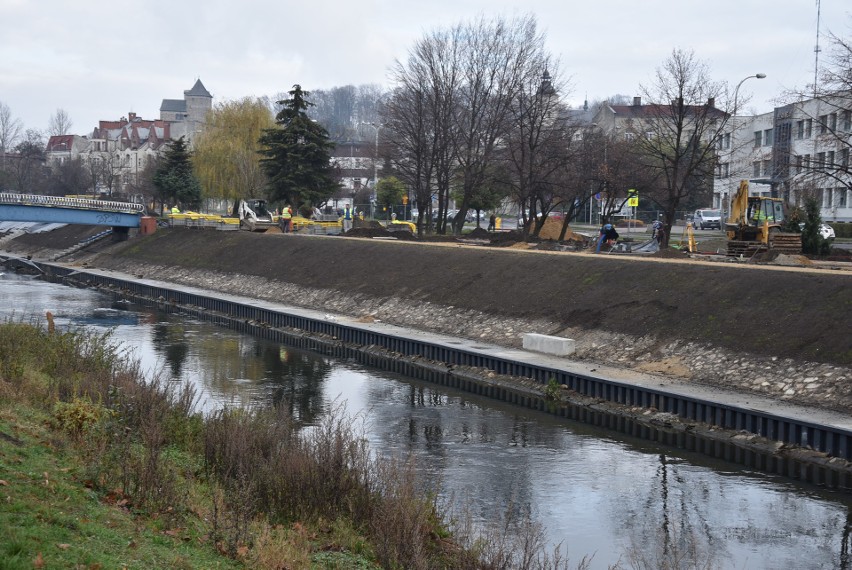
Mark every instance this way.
x=479 y=233
x=368 y=232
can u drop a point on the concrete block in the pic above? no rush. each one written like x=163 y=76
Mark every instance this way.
x=556 y=345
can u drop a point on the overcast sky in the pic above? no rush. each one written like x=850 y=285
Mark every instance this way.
x=100 y=59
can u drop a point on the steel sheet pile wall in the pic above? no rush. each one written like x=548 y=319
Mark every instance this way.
x=345 y=341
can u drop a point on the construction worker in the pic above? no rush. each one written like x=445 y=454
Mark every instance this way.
x=286 y=217
x=608 y=235
x=657 y=232
x=348 y=216
x=175 y=209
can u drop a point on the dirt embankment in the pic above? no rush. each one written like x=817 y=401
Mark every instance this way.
x=778 y=332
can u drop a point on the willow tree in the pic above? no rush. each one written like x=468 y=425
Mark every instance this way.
x=226 y=158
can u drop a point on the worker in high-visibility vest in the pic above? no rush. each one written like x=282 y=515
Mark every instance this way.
x=348 y=216
x=286 y=216
x=175 y=209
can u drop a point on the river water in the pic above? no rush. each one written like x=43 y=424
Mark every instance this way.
x=596 y=492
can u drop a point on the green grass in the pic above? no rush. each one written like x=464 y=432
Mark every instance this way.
x=53 y=519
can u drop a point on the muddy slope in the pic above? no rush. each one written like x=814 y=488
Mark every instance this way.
x=792 y=313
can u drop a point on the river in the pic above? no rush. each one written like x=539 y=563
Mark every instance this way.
x=597 y=492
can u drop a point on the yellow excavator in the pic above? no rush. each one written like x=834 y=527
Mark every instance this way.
x=755 y=223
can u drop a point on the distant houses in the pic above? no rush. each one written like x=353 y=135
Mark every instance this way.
x=119 y=150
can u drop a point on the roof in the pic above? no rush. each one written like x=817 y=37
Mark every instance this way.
x=173 y=106
x=653 y=110
x=60 y=142
x=197 y=90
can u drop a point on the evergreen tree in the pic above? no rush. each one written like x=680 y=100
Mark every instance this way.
x=297 y=155
x=175 y=180
x=812 y=242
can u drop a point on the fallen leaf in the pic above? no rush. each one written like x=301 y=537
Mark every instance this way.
x=63 y=546
x=39 y=561
x=4 y=483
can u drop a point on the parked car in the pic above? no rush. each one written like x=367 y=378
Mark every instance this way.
x=826 y=231
x=707 y=219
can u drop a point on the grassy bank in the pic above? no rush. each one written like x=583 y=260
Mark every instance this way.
x=103 y=468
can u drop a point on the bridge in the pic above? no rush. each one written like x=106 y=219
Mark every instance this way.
x=62 y=210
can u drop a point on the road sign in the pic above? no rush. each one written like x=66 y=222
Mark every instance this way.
x=633 y=198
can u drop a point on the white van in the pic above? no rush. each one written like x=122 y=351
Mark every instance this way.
x=707 y=219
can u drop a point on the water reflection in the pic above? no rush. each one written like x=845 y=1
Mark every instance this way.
x=598 y=489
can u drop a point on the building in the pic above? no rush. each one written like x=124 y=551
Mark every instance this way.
x=186 y=116
x=793 y=151
x=118 y=151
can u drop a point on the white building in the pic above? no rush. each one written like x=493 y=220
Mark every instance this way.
x=792 y=151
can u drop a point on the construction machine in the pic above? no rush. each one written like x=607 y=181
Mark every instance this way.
x=755 y=224
x=253 y=215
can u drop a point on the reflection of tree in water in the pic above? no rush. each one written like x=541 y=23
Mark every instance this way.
x=294 y=380
x=170 y=341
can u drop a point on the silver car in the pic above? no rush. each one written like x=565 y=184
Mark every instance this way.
x=707 y=219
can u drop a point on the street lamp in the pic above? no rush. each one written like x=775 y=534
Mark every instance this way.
x=722 y=199
x=375 y=158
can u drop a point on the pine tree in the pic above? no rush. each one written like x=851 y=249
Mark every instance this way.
x=175 y=179
x=297 y=155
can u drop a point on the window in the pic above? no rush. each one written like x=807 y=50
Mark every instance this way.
x=629 y=137
x=832 y=122
x=767 y=168
x=823 y=124
x=807 y=161
x=726 y=170
x=756 y=169
x=820 y=159
x=757 y=138
x=829 y=158
x=767 y=137
x=847 y=121
x=841 y=196
x=727 y=140
x=844 y=158
x=649 y=135
x=809 y=123
x=800 y=129
x=799 y=161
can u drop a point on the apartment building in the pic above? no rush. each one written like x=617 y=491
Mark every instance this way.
x=793 y=151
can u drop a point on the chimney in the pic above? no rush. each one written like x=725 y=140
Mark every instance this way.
x=132 y=116
x=711 y=102
x=637 y=101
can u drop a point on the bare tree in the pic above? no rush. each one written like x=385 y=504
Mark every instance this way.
x=10 y=132
x=418 y=116
x=60 y=123
x=831 y=117
x=68 y=177
x=538 y=145
x=676 y=137
x=498 y=58
x=27 y=170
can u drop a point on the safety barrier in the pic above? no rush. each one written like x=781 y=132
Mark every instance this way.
x=65 y=202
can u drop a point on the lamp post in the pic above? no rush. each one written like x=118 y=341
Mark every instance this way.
x=375 y=158
x=722 y=198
